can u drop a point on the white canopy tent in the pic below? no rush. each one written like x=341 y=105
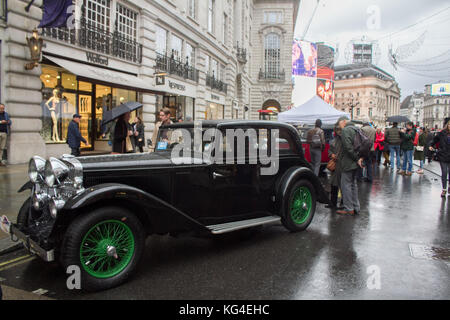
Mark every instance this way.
x=310 y=111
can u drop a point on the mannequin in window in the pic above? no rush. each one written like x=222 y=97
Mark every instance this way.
x=52 y=104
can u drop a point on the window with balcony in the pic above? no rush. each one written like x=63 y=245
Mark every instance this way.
x=190 y=55
x=126 y=20
x=102 y=30
x=176 y=47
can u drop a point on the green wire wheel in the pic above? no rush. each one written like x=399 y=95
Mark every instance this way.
x=107 y=249
x=301 y=205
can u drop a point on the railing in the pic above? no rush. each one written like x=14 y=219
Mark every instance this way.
x=215 y=84
x=175 y=66
x=98 y=40
x=272 y=75
x=241 y=54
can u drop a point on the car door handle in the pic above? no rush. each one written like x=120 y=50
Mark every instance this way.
x=217 y=175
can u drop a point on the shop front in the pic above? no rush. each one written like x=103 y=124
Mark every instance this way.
x=69 y=87
x=215 y=106
x=178 y=96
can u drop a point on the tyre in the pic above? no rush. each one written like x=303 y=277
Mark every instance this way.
x=106 y=244
x=299 y=206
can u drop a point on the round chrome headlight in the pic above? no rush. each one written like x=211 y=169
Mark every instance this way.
x=54 y=206
x=36 y=168
x=55 y=172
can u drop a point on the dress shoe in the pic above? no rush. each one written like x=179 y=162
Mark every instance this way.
x=345 y=212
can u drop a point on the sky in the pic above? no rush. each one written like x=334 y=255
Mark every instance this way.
x=417 y=29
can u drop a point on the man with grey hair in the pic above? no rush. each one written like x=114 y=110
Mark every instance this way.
x=349 y=162
x=5 y=127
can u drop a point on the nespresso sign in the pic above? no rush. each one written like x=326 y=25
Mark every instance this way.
x=174 y=85
x=97 y=58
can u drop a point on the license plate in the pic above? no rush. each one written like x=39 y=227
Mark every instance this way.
x=5 y=225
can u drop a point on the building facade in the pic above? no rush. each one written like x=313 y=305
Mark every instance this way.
x=436 y=109
x=366 y=92
x=203 y=59
x=412 y=107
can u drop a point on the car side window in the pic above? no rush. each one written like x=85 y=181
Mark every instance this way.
x=286 y=144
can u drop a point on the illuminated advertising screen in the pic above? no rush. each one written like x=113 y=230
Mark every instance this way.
x=440 y=89
x=304 y=59
x=325 y=62
x=325 y=90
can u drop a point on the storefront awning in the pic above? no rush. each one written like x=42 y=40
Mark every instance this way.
x=104 y=75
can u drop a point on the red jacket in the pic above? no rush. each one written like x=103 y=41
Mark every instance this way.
x=379 y=139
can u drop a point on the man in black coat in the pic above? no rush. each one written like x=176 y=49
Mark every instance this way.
x=74 y=136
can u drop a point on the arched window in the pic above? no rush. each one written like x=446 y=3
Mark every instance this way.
x=272 y=55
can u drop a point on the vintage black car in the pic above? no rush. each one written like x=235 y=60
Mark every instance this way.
x=96 y=212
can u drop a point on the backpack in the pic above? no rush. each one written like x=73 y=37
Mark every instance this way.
x=316 y=142
x=361 y=144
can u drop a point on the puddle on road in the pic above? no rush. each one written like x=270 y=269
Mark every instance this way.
x=420 y=251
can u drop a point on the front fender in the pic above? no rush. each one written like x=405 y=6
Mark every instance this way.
x=159 y=209
x=26 y=186
x=295 y=174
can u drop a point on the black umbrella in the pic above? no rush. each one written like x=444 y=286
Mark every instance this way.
x=118 y=111
x=398 y=119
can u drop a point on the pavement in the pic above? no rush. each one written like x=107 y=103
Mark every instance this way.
x=397 y=248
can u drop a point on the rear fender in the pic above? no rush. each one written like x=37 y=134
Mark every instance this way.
x=293 y=175
x=159 y=213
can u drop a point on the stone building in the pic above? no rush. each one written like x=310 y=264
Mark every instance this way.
x=366 y=92
x=436 y=109
x=204 y=59
x=412 y=107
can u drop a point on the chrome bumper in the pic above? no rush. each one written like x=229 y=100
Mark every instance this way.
x=31 y=245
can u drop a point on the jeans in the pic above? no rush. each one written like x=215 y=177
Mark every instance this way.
x=395 y=152
x=378 y=153
x=316 y=159
x=421 y=164
x=408 y=159
x=349 y=189
x=445 y=169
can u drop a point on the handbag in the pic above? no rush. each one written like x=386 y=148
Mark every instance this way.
x=128 y=145
x=331 y=165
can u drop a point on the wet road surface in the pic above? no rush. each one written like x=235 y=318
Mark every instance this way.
x=335 y=258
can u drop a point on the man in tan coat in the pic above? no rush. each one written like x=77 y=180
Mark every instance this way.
x=164 y=116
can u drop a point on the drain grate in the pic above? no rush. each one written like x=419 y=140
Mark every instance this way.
x=421 y=251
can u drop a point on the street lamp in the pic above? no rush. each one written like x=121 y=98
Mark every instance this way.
x=35 y=45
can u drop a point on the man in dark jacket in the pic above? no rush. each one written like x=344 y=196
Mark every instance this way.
x=349 y=163
x=408 y=135
x=393 y=139
x=316 y=140
x=74 y=136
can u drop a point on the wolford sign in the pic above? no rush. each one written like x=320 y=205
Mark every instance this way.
x=96 y=58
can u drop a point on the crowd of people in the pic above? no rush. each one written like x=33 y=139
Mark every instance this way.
x=350 y=164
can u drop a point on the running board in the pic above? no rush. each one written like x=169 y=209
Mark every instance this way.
x=242 y=224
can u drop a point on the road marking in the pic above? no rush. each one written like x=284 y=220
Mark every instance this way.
x=14 y=260
x=31 y=258
x=40 y=291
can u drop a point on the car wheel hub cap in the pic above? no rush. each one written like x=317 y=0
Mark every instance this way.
x=107 y=249
x=301 y=205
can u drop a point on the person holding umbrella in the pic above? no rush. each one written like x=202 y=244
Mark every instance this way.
x=122 y=134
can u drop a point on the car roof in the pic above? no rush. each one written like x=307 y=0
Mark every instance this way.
x=231 y=123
